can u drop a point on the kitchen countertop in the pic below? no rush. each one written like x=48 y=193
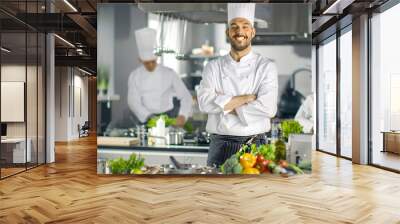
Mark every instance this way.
x=162 y=148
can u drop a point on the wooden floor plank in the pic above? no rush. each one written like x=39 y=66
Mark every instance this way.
x=70 y=191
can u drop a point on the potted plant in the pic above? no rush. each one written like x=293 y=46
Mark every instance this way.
x=102 y=79
x=290 y=127
x=299 y=144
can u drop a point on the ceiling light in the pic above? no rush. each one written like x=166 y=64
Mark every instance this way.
x=326 y=11
x=338 y=6
x=84 y=71
x=65 y=41
x=70 y=5
x=5 y=50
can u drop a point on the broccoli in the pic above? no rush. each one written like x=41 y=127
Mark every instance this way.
x=231 y=166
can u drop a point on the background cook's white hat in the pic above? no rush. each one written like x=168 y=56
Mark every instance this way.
x=146 y=42
x=243 y=10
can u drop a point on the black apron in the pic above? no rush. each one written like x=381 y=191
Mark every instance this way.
x=224 y=146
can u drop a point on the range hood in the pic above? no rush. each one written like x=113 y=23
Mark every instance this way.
x=276 y=23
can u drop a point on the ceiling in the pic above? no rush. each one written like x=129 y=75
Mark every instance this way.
x=75 y=21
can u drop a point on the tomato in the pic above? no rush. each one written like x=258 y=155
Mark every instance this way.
x=265 y=164
x=260 y=158
x=251 y=171
x=262 y=166
x=248 y=160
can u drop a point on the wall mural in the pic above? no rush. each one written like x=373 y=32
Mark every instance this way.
x=208 y=89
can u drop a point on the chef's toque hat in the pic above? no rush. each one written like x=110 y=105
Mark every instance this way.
x=243 y=10
x=146 y=42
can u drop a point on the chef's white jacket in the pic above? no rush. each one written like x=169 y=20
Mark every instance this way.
x=224 y=78
x=152 y=92
x=305 y=114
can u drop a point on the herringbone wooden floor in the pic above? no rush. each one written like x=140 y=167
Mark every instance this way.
x=69 y=191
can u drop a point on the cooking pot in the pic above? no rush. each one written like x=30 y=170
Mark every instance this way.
x=176 y=137
x=180 y=168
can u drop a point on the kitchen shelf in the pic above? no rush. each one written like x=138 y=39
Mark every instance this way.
x=106 y=98
x=196 y=57
x=192 y=56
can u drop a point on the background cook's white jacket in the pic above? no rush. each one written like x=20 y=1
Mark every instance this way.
x=224 y=78
x=305 y=114
x=152 y=92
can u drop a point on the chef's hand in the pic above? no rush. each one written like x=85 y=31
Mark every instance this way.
x=238 y=101
x=250 y=98
x=233 y=112
x=180 y=121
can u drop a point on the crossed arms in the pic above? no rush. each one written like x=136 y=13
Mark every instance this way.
x=249 y=108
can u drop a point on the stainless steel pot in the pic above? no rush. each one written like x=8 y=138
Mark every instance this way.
x=188 y=169
x=176 y=137
x=180 y=168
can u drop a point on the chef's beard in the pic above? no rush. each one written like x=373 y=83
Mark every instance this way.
x=240 y=47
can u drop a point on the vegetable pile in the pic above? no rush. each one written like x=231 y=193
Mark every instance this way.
x=133 y=165
x=269 y=158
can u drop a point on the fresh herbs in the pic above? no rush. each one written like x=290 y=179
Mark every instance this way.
x=280 y=150
x=118 y=166
x=102 y=78
x=168 y=121
x=290 y=127
x=132 y=165
x=188 y=127
x=268 y=151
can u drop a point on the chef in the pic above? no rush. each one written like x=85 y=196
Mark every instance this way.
x=238 y=91
x=305 y=114
x=152 y=87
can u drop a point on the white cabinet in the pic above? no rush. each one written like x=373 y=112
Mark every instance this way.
x=16 y=146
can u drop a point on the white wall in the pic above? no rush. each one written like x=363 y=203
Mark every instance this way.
x=106 y=40
x=16 y=73
x=80 y=83
x=33 y=126
x=67 y=115
x=61 y=103
x=287 y=57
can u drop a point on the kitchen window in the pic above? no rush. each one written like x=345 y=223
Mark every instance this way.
x=22 y=101
x=327 y=95
x=171 y=38
x=346 y=92
x=385 y=89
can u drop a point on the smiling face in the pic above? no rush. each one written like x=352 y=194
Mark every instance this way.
x=240 y=33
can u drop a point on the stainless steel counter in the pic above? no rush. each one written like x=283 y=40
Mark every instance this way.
x=162 y=148
x=157 y=155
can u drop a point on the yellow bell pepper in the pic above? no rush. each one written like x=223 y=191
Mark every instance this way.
x=248 y=160
x=251 y=171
